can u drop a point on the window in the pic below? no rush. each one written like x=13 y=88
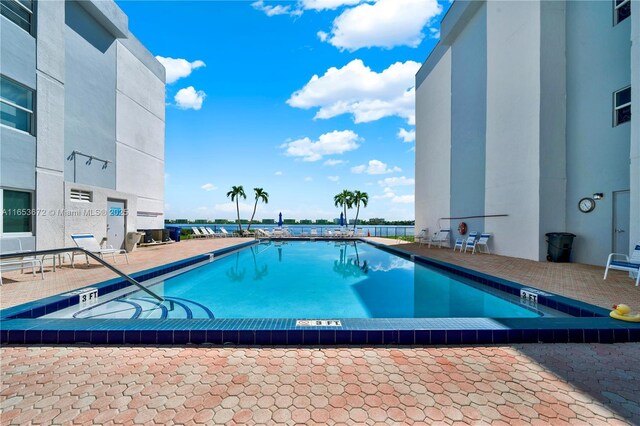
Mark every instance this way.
x=16 y=106
x=621 y=10
x=20 y=12
x=16 y=211
x=622 y=106
x=80 y=195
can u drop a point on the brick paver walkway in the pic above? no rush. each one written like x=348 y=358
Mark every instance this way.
x=586 y=384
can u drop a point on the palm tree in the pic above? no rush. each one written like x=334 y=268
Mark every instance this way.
x=261 y=194
x=344 y=199
x=235 y=194
x=359 y=198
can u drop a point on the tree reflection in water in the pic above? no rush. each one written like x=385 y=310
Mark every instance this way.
x=350 y=267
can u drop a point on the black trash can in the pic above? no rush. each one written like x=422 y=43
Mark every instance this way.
x=148 y=236
x=559 y=246
x=174 y=232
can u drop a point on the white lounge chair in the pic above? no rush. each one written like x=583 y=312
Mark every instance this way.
x=206 y=233
x=360 y=232
x=224 y=233
x=422 y=237
x=622 y=262
x=482 y=245
x=89 y=243
x=14 y=246
x=196 y=233
x=314 y=232
x=262 y=233
x=471 y=243
x=441 y=238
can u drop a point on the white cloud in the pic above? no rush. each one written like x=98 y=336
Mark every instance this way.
x=308 y=179
x=407 y=136
x=333 y=178
x=396 y=181
x=434 y=33
x=209 y=187
x=375 y=167
x=278 y=173
x=385 y=23
x=189 y=98
x=356 y=89
x=327 y=4
x=387 y=193
x=403 y=199
x=177 y=68
x=336 y=142
x=276 y=10
x=332 y=162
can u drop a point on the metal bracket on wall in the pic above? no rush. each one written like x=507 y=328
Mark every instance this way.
x=90 y=159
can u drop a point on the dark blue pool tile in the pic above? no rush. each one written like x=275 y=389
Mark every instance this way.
x=230 y=336
x=4 y=336
x=358 y=337
x=294 y=337
x=560 y=336
x=263 y=337
x=576 y=336
x=148 y=337
x=310 y=337
x=438 y=337
x=115 y=337
x=545 y=336
x=485 y=336
x=469 y=336
x=390 y=337
x=634 y=335
x=132 y=337
x=33 y=336
x=423 y=337
x=214 y=337
x=246 y=337
x=514 y=336
x=99 y=337
x=606 y=336
x=49 y=336
x=620 y=335
x=278 y=337
x=374 y=337
x=66 y=336
x=327 y=337
x=454 y=337
x=343 y=337
x=17 y=336
x=198 y=336
x=164 y=337
x=530 y=336
x=406 y=337
x=500 y=336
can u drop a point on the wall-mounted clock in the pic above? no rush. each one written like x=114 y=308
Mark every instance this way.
x=586 y=204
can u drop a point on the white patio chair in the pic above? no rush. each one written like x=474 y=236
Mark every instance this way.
x=196 y=233
x=422 y=237
x=440 y=238
x=471 y=243
x=90 y=244
x=622 y=262
x=206 y=233
x=14 y=246
x=482 y=245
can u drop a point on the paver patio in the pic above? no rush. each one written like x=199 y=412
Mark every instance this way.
x=517 y=384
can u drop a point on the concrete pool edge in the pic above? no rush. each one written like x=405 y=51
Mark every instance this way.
x=592 y=327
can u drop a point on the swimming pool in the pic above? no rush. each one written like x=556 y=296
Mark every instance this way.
x=311 y=280
x=439 y=304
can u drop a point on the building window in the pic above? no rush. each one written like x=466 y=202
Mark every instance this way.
x=622 y=106
x=16 y=105
x=81 y=196
x=19 y=12
x=621 y=10
x=16 y=211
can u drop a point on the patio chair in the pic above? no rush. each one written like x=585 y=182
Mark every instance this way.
x=206 y=233
x=196 y=233
x=262 y=233
x=224 y=233
x=422 y=237
x=459 y=244
x=622 y=262
x=482 y=245
x=90 y=244
x=314 y=232
x=440 y=238
x=14 y=246
x=471 y=243
x=360 y=232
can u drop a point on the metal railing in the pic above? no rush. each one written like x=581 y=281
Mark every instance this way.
x=87 y=253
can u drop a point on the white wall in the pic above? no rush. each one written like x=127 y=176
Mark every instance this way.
x=513 y=127
x=433 y=147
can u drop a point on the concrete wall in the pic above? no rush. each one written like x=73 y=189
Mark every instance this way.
x=433 y=147
x=468 y=130
x=90 y=110
x=18 y=53
x=598 y=154
x=513 y=127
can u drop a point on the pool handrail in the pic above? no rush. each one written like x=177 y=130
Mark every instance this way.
x=88 y=253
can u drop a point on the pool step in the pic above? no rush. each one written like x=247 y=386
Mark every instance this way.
x=145 y=308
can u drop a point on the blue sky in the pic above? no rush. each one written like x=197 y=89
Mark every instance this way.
x=302 y=98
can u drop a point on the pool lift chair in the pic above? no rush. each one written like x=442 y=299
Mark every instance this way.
x=622 y=262
x=89 y=243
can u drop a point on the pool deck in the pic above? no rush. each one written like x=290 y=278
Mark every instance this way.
x=508 y=384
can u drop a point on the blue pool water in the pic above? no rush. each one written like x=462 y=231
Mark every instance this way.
x=311 y=280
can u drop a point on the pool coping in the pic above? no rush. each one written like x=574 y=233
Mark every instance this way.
x=590 y=324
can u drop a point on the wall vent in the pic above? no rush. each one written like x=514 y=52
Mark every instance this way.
x=80 y=195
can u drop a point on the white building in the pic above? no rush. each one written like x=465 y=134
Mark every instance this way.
x=82 y=124
x=522 y=110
